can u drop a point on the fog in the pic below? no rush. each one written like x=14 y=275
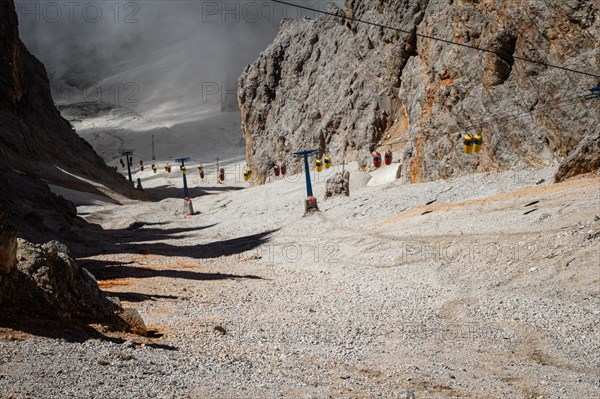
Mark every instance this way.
x=84 y=41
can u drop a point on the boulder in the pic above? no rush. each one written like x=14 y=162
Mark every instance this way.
x=338 y=184
x=48 y=284
x=584 y=158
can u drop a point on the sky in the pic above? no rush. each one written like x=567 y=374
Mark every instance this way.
x=80 y=40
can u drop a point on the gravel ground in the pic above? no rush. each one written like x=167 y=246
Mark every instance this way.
x=451 y=289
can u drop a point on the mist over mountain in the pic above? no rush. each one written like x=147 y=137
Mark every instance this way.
x=123 y=70
x=38 y=148
x=84 y=42
x=79 y=42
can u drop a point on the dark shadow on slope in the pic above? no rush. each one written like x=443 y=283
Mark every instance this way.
x=138 y=297
x=142 y=235
x=216 y=249
x=93 y=264
x=105 y=241
x=120 y=271
x=163 y=192
x=73 y=331
x=138 y=225
x=70 y=332
x=109 y=270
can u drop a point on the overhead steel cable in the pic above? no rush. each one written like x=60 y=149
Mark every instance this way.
x=439 y=39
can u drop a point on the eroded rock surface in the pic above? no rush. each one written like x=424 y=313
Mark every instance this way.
x=48 y=284
x=338 y=184
x=345 y=87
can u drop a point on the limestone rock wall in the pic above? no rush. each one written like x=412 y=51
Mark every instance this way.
x=347 y=88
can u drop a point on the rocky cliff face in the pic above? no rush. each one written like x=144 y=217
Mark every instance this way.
x=348 y=88
x=36 y=143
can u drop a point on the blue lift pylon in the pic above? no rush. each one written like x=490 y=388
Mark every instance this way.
x=311 y=201
x=186 y=192
x=187 y=202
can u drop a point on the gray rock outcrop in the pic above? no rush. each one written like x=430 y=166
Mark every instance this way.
x=584 y=158
x=338 y=184
x=346 y=87
x=48 y=284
